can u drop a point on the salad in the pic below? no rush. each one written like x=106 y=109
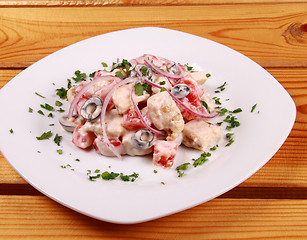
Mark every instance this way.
x=148 y=105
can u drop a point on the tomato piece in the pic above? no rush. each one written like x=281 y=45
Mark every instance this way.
x=83 y=139
x=165 y=153
x=102 y=148
x=131 y=120
x=192 y=100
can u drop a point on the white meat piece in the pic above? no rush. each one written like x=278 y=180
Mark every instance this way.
x=210 y=102
x=157 y=79
x=199 y=77
x=113 y=121
x=165 y=114
x=200 y=134
x=121 y=98
x=71 y=94
x=129 y=149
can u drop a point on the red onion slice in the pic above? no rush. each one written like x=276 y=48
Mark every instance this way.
x=85 y=88
x=103 y=112
x=207 y=115
x=164 y=73
x=141 y=117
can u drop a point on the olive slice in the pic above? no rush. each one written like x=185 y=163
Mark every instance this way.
x=180 y=90
x=91 y=108
x=142 y=139
x=68 y=126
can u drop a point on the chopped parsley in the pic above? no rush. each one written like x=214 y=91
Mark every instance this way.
x=222 y=87
x=229 y=136
x=162 y=89
x=253 y=107
x=58 y=103
x=182 y=168
x=45 y=135
x=40 y=112
x=140 y=88
x=162 y=83
x=208 y=75
x=127 y=178
x=11 y=131
x=202 y=159
x=39 y=95
x=217 y=100
x=50 y=115
x=111 y=176
x=30 y=110
x=79 y=76
x=203 y=103
x=47 y=107
x=57 y=139
x=61 y=92
x=214 y=148
x=60 y=151
x=104 y=64
x=119 y=74
x=232 y=121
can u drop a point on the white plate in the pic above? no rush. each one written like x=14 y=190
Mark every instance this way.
x=256 y=140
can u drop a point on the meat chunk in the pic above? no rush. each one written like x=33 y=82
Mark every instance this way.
x=200 y=134
x=165 y=114
x=165 y=153
x=199 y=77
x=130 y=149
x=121 y=98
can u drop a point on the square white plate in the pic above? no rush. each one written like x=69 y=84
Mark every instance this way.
x=257 y=139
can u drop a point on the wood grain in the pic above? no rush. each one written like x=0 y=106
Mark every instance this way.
x=264 y=32
x=37 y=217
x=86 y=3
x=288 y=168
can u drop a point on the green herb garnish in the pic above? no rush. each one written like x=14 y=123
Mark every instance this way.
x=57 y=139
x=60 y=151
x=30 y=110
x=39 y=95
x=109 y=176
x=58 y=103
x=140 y=88
x=40 y=112
x=253 y=107
x=202 y=159
x=11 y=131
x=61 y=92
x=182 y=168
x=79 y=76
x=45 y=135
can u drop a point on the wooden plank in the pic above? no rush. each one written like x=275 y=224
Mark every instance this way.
x=37 y=217
x=87 y=3
x=264 y=32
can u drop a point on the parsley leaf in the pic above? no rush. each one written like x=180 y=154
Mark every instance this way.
x=182 y=168
x=253 y=107
x=202 y=159
x=45 y=135
x=61 y=92
x=140 y=88
x=47 y=107
x=57 y=139
x=79 y=76
x=109 y=176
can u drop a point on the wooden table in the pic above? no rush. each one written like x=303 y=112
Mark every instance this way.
x=272 y=204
